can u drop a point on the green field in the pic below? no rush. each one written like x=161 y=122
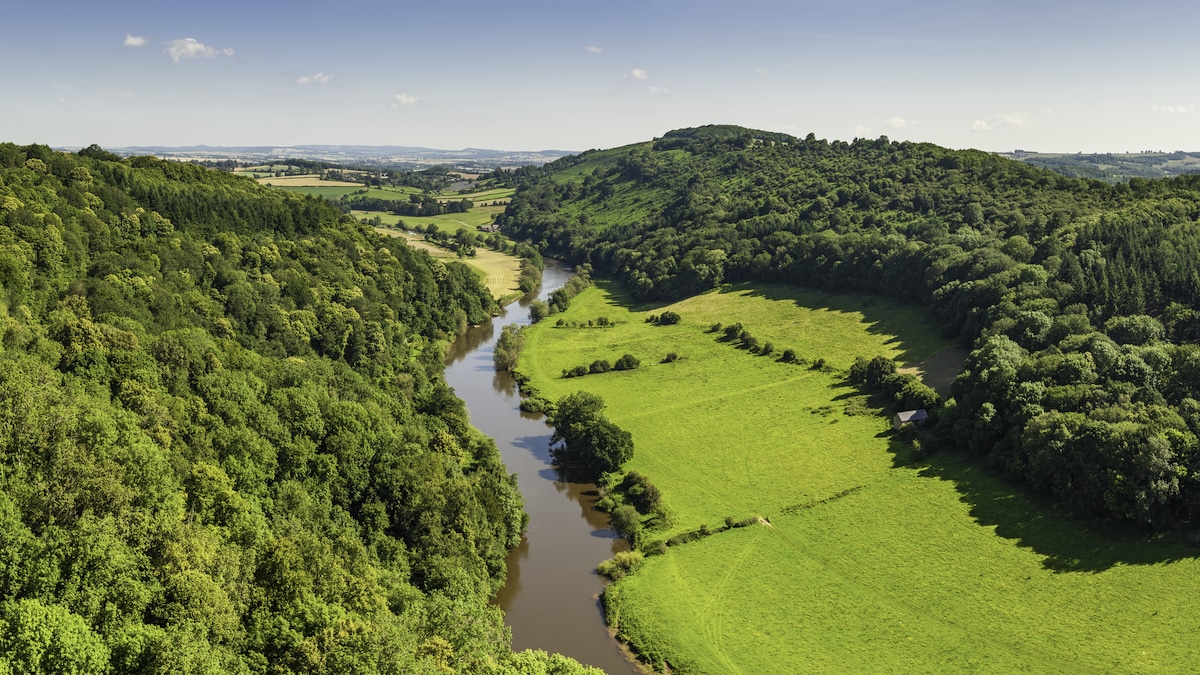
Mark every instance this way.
x=875 y=559
x=328 y=192
x=489 y=195
x=449 y=222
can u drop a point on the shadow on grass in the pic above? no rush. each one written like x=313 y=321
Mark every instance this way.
x=1068 y=541
x=912 y=332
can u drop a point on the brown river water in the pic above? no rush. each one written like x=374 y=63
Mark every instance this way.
x=551 y=597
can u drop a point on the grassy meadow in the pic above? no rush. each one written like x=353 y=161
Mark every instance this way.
x=875 y=559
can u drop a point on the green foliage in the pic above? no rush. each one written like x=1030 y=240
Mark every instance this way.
x=508 y=347
x=622 y=564
x=627 y=362
x=590 y=440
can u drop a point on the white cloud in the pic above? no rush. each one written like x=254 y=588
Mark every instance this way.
x=190 y=48
x=760 y=71
x=402 y=100
x=895 y=123
x=319 y=78
x=638 y=74
x=1016 y=120
x=861 y=131
x=132 y=40
x=595 y=50
x=1173 y=109
x=659 y=90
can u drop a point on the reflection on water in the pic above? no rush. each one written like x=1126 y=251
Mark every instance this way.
x=550 y=596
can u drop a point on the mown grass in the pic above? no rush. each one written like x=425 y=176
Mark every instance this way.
x=333 y=193
x=498 y=271
x=450 y=222
x=876 y=559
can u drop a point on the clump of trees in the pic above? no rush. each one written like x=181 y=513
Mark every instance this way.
x=583 y=437
x=904 y=390
x=507 y=352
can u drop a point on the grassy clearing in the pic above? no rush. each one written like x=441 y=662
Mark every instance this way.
x=498 y=271
x=875 y=559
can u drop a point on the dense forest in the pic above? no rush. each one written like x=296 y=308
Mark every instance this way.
x=1078 y=296
x=225 y=442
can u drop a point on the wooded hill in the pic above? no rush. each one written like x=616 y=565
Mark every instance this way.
x=225 y=442
x=1078 y=295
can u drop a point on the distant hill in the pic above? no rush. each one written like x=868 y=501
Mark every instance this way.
x=1113 y=167
x=386 y=156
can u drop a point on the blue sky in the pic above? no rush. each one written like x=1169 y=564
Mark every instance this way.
x=1051 y=76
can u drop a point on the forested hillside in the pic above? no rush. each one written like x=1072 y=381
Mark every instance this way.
x=225 y=442
x=1078 y=295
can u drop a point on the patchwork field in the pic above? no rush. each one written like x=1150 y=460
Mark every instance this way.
x=875 y=558
x=449 y=222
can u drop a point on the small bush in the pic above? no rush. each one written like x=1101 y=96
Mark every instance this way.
x=535 y=404
x=600 y=366
x=671 y=357
x=788 y=356
x=668 y=318
x=538 y=310
x=644 y=495
x=627 y=521
x=715 y=328
x=627 y=362
x=621 y=564
x=767 y=349
x=606 y=504
x=577 y=371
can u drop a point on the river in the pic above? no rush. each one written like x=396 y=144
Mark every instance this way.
x=551 y=596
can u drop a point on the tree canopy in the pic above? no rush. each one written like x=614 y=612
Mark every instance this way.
x=225 y=442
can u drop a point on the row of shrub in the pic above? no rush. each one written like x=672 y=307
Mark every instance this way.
x=599 y=322
x=737 y=333
x=626 y=362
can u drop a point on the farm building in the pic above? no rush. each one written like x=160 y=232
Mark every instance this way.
x=916 y=417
